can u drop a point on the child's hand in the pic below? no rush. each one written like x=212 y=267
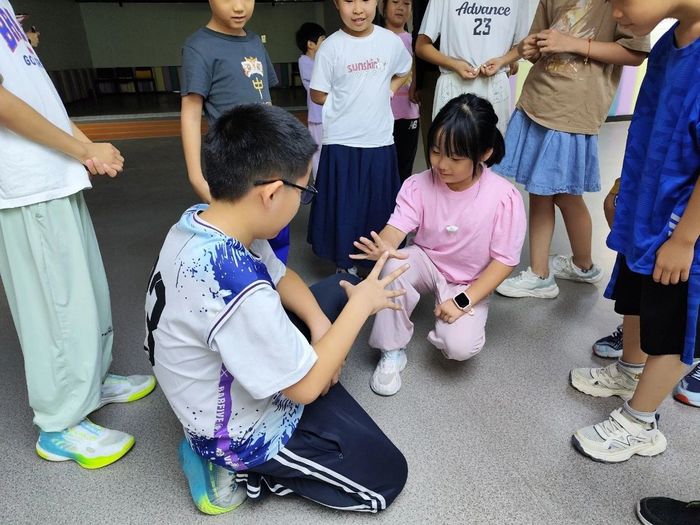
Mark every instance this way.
x=448 y=312
x=102 y=159
x=528 y=48
x=372 y=291
x=492 y=66
x=373 y=250
x=334 y=380
x=551 y=41
x=673 y=261
x=414 y=94
x=513 y=68
x=464 y=69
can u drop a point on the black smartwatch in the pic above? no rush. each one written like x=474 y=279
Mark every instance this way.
x=462 y=301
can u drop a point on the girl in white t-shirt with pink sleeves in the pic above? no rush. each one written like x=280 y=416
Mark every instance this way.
x=469 y=226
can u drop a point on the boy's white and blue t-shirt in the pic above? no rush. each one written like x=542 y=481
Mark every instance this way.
x=222 y=344
x=356 y=73
x=30 y=172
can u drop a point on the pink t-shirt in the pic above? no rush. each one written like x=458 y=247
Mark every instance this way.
x=401 y=105
x=462 y=231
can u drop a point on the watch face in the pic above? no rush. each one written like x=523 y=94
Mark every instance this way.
x=462 y=300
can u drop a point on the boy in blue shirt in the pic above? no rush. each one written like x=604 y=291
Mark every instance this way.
x=223 y=64
x=655 y=232
x=246 y=353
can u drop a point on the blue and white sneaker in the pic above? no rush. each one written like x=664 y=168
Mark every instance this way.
x=212 y=487
x=688 y=389
x=386 y=379
x=125 y=389
x=89 y=445
x=609 y=346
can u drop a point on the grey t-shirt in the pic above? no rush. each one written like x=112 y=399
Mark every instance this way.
x=226 y=70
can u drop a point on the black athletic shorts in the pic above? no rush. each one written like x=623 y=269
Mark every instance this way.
x=662 y=310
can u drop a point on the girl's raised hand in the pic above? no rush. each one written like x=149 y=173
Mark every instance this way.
x=372 y=291
x=372 y=249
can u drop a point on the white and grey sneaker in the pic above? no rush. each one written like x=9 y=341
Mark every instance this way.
x=529 y=284
x=618 y=438
x=563 y=267
x=386 y=379
x=604 y=382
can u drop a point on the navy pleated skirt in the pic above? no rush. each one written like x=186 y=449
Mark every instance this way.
x=357 y=190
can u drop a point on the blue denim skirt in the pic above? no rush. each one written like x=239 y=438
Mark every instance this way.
x=548 y=162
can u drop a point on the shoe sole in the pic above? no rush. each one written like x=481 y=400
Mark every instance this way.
x=657 y=449
x=86 y=463
x=132 y=397
x=585 y=388
x=682 y=398
x=201 y=501
x=639 y=515
x=389 y=394
x=567 y=277
x=614 y=354
x=551 y=292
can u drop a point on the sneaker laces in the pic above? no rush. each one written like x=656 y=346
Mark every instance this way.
x=695 y=374
x=389 y=360
x=616 y=338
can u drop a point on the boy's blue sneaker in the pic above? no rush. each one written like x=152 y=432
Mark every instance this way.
x=213 y=488
x=688 y=389
x=89 y=445
x=125 y=389
x=609 y=346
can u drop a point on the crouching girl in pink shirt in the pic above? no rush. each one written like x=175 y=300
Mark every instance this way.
x=469 y=226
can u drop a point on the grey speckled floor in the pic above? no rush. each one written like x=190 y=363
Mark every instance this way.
x=487 y=441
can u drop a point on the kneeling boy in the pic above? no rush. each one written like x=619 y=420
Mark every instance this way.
x=259 y=403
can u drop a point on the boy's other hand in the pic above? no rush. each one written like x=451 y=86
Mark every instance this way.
x=673 y=261
x=102 y=159
x=372 y=291
x=373 y=249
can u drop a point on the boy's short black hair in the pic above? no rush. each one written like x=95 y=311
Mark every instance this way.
x=255 y=142
x=467 y=127
x=308 y=31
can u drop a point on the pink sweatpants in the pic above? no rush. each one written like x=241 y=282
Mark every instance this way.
x=393 y=329
x=316 y=131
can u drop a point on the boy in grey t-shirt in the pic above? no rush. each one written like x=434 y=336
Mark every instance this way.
x=223 y=64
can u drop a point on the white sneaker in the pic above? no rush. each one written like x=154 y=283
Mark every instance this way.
x=386 y=379
x=619 y=438
x=604 y=382
x=89 y=445
x=563 y=267
x=528 y=284
x=125 y=389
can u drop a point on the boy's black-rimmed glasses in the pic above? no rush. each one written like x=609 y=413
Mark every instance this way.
x=307 y=192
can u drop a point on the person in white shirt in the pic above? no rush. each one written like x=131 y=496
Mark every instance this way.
x=356 y=71
x=478 y=42
x=50 y=263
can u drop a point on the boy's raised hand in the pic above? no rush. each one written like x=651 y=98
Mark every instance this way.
x=372 y=249
x=372 y=291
